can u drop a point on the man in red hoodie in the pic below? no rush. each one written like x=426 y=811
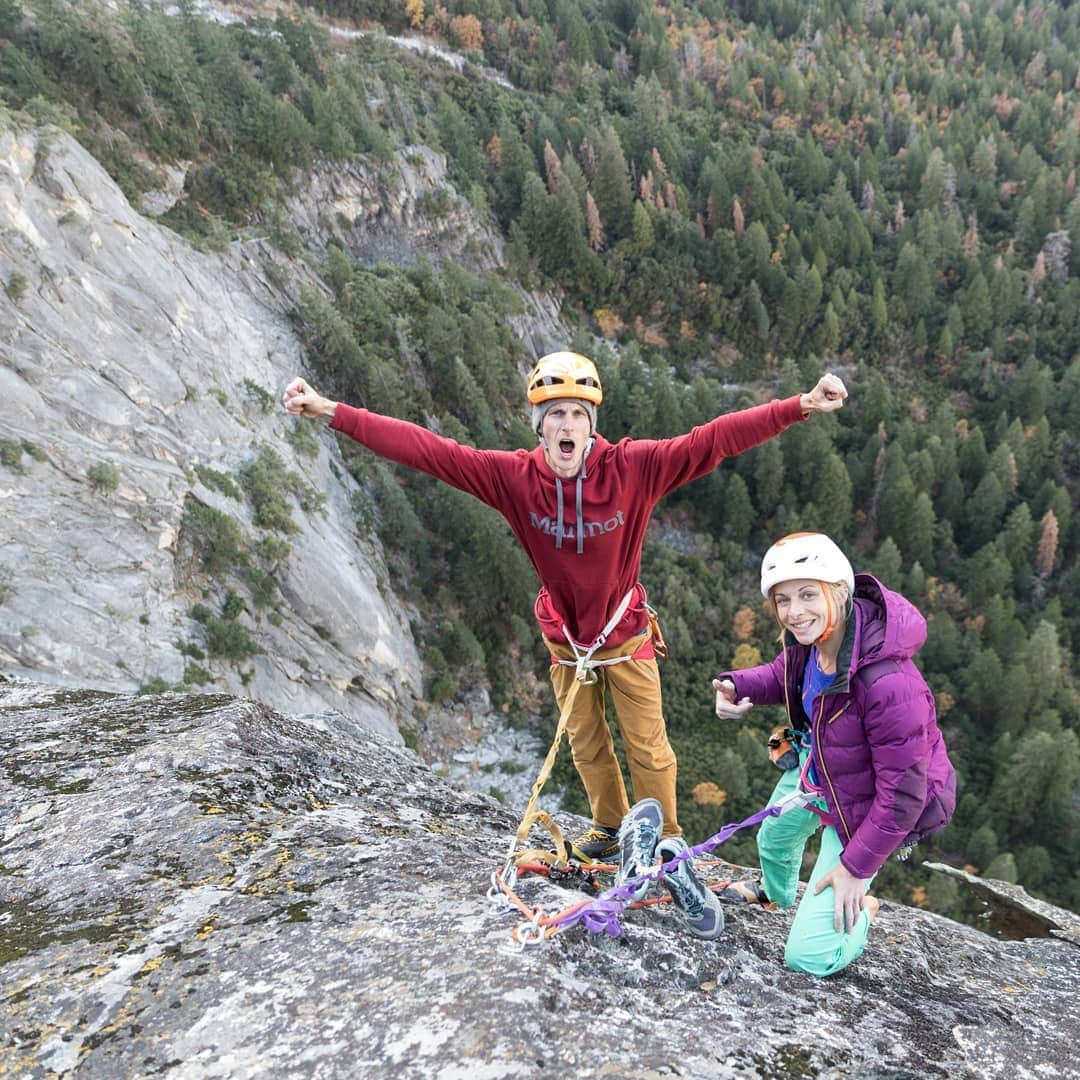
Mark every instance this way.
x=580 y=506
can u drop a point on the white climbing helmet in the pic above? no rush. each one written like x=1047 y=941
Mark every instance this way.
x=805 y=555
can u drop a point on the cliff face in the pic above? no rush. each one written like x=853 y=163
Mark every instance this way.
x=201 y=887
x=140 y=381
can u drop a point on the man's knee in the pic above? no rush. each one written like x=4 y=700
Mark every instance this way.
x=597 y=750
x=654 y=757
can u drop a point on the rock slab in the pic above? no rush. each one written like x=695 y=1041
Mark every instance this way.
x=196 y=886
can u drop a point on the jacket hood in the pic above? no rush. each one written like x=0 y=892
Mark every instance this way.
x=887 y=626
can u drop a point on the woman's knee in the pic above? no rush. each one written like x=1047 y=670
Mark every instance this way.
x=778 y=843
x=820 y=963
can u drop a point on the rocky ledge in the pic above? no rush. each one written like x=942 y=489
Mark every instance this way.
x=197 y=886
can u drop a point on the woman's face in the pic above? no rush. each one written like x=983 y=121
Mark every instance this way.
x=802 y=608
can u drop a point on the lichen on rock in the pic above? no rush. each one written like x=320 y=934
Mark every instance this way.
x=199 y=886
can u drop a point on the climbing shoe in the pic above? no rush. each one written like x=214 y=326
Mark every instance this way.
x=743 y=892
x=699 y=907
x=595 y=844
x=638 y=836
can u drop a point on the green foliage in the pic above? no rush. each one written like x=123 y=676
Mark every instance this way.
x=272 y=550
x=303 y=436
x=7 y=588
x=259 y=394
x=218 y=481
x=11 y=453
x=262 y=479
x=229 y=640
x=196 y=675
x=104 y=477
x=16 y=286
x=224 y=637
x=217 y=540
x=264 y=588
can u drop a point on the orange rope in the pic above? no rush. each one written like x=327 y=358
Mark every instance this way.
x=549 y=924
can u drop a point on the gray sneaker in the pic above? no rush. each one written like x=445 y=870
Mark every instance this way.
x=698 y=905
x=638 y=837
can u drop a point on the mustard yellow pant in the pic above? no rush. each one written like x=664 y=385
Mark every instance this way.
x=635 y=691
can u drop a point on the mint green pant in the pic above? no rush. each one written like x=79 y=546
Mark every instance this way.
x=814 y=945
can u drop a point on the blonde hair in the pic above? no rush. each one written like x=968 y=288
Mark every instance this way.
x=837 y=597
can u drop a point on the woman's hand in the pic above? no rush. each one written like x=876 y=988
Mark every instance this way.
x=727 y=708
x=300 y=400
x=849 y=895
x=827 y=396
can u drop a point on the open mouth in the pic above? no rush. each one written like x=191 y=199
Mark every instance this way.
x=566 y=447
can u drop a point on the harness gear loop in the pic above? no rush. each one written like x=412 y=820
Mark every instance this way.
x=658 y=642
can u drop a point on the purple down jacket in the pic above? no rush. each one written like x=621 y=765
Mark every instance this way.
x=880 y=755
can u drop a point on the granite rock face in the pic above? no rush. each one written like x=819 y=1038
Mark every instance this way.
x=140 y=379
x=201 y=887
x=137 y=372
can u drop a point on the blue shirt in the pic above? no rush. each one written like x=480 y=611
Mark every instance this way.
x=814 y=681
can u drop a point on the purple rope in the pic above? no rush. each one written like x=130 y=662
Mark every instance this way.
x=602 y=914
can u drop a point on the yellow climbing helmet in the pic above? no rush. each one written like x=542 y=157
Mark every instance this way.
x=564 y=375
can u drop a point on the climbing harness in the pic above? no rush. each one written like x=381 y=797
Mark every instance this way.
x=556 y=864
x=583 y=660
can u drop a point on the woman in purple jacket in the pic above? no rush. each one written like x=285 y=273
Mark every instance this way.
x=866 y=751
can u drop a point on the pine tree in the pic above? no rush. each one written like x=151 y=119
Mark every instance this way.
x=738 y=510
x=593 y=224
x=932 y=188
x=642 y=232
x=1046 y=552
x=768 y=477
x=611 y=187
x=552 y=168
x=978 y=313
x=984 y=510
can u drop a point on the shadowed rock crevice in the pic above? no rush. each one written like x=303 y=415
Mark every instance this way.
x=199 y=886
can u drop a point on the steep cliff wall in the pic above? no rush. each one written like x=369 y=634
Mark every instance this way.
x=140 y=380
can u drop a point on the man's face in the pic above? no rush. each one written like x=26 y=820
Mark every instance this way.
x=566 y=433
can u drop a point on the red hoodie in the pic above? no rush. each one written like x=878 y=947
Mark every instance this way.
x=590 y=567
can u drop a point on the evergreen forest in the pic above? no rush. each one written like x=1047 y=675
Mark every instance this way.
x=727 y=199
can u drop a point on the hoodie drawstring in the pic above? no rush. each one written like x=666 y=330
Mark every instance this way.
x=558 y=513
x=559 y=532
x=580 y=517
